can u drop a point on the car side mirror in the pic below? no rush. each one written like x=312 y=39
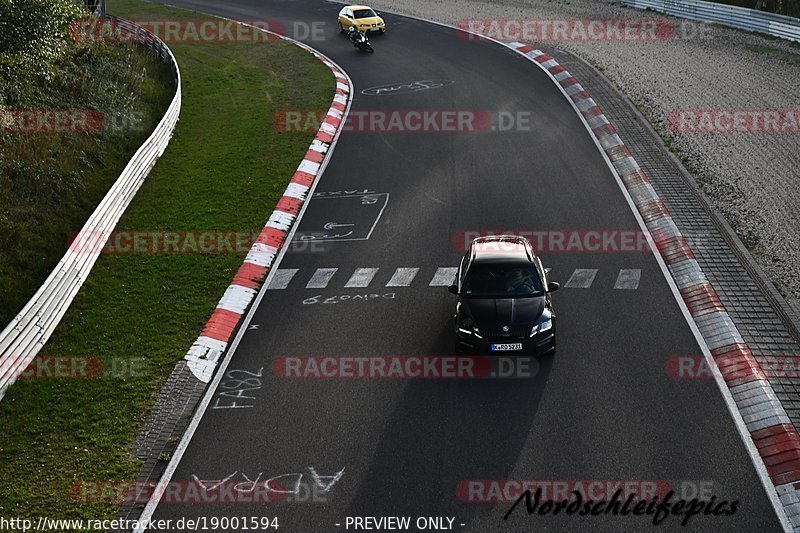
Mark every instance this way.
x=553 y=286
x=453 y=288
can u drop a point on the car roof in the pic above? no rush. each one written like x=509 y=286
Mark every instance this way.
x=502 y=249
x=358 y=6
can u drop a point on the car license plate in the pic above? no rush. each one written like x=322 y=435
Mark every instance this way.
x=506 y=347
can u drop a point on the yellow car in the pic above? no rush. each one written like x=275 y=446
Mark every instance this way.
x=363 y=18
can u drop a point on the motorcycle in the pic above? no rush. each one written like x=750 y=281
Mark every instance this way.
x=360 y=40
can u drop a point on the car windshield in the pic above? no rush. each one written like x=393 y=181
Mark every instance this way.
x=502 y=281
x=364 y=13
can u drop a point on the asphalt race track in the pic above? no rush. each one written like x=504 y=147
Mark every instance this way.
x=604 y=408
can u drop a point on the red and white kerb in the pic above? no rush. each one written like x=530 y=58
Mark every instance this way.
x=203 y=356
x=770 y=428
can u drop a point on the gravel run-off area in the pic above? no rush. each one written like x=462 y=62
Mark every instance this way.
x=752 y=178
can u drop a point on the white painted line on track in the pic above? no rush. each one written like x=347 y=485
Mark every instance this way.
x=582 y=278
x=362 y=277
x=283 y=277
x=402 y=277
x=628 y=279
x=321 y=278
x=444 y=276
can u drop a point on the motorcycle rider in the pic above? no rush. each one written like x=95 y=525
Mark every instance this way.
x=354 y=34
x=359 y=39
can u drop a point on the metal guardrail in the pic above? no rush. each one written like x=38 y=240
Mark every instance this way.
x=737 y=17
x=28 y=332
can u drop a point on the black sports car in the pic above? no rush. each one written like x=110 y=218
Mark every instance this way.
x=504 y=302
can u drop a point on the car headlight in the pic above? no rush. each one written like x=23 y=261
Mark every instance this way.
x=541 y=327
x=469 y=329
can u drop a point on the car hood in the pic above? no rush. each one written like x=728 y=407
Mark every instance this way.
x=370 y=20
x=494 y=313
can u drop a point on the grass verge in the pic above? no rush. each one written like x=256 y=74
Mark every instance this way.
x=225 y=169
x=51 y=182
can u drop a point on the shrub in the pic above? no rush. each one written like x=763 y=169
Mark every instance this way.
x=33 y=34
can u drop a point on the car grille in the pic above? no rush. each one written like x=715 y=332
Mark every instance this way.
x=515 y=333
